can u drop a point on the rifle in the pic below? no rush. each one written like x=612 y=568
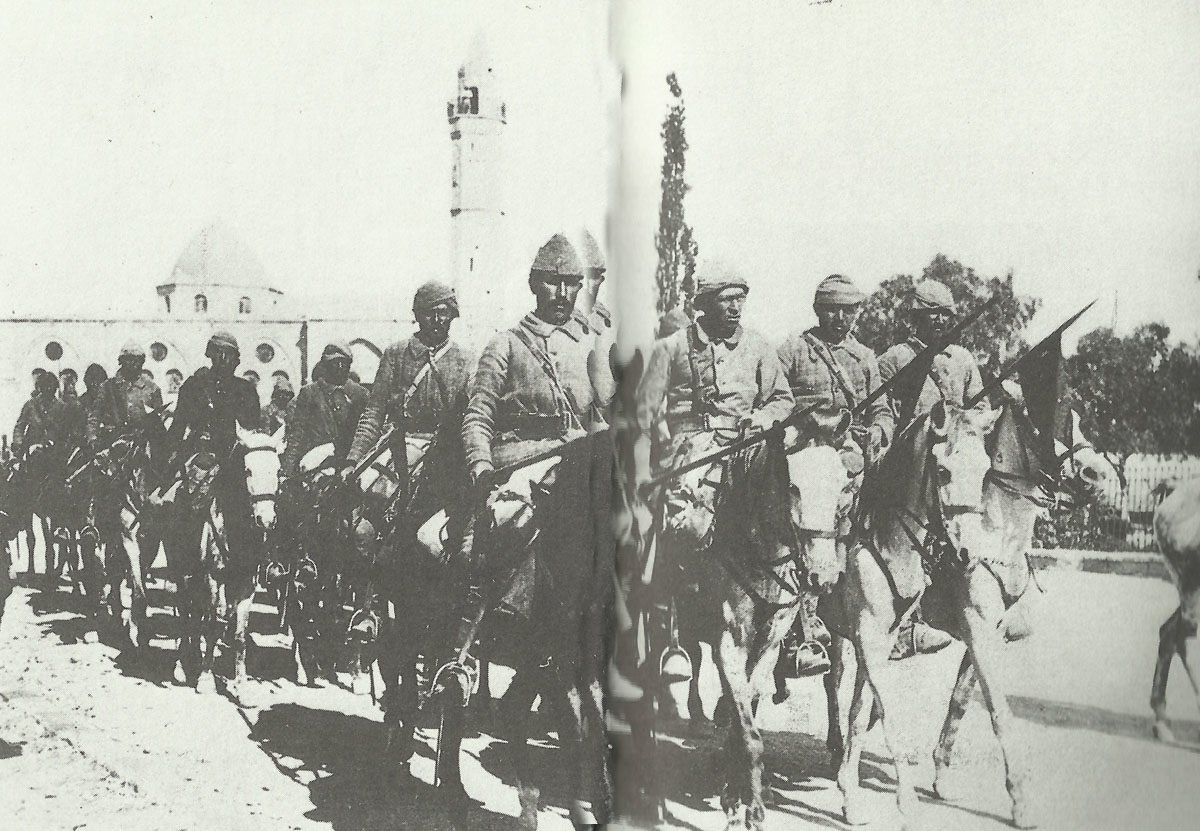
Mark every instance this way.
x=905 y=372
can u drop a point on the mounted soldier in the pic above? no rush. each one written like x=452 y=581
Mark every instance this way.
x=279 y=409
x=827 y=365
x=420 y=384
x=326 y=410
x=593 y=317
x=953 y=378
x=41 y=420
x=704 y=386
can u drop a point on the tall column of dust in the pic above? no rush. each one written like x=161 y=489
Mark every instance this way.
x=480 y=267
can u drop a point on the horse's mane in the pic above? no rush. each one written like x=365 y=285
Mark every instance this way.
x=901 y=485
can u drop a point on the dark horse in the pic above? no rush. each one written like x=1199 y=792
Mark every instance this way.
x=549 y=565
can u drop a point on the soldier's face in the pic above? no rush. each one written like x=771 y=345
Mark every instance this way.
x=932 y=323
x=434 y=325
x=224 y=359
x=725 y=309
x=836 y=319
x=337 y=370
x=131 y=365
x=555 y=295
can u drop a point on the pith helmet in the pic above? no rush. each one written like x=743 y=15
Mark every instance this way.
x=558 y=256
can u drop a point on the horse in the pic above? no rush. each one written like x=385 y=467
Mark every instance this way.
x=541 y=581
x=216 y=567
x=1016 y=491
x=1177 y=531
x=921 y=512
x=334 y=539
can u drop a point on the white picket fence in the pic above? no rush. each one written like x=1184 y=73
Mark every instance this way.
x=1147 y=480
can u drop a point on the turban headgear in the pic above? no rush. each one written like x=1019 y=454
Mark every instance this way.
x=223 y=339
x=714 y=277
x=433 y=294
x=558 y=256
x=839 y=291
x=131 y=349
x=930 y=294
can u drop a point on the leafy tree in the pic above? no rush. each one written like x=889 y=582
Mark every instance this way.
x=993 y=339
x=674 y=241
x=1140 y=393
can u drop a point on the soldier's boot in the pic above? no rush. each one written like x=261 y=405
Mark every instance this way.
x=805 y=650
x=916 y=637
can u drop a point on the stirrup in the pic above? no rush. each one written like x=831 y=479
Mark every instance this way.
x=466 y=674
x=675 y=665
x=363 y=626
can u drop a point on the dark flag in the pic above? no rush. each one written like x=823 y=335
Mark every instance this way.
x=1039 y=377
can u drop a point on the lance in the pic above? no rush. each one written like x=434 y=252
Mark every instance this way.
x=1013 y=366
x=925 y=354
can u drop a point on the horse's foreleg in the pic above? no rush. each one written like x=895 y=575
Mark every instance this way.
x=983 y=645
x=964 y=686
x=1185 y=634
x=242 y=599
x=208 y=628
x=1167 y=648
x=743 y=745
x=841 y=657
x=862 y=699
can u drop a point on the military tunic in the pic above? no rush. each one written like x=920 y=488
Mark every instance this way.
x=953 y=377
x=120 y=403
x=439 y=391
x=323 y=414
x=209 y=409
x=838 y=375
x=532 y=389
x=699 y=384
x=41 y=421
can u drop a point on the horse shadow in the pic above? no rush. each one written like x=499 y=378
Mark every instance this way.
x=341 y=760
x=1063 y=714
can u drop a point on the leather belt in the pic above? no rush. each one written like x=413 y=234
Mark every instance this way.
x=533 y=426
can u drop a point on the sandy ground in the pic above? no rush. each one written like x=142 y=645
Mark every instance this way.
x=94 y=738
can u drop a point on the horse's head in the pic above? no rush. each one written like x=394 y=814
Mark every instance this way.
x=821 y=492
x=260 y=458
x=960 y=463
x=1084 y=466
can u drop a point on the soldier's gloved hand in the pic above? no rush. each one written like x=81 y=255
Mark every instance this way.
x=346 y=473
x=752 y=425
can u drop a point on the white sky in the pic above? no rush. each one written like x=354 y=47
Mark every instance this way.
x=1059 y=140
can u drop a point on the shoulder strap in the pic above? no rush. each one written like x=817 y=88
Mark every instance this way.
x=548 y=367
x=834 y=369
x=699 y=397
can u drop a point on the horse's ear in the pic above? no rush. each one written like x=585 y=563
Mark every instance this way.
x=939 y=419
x=241 y=432
x=843 y=426
x=987 y=421
x=277 y=437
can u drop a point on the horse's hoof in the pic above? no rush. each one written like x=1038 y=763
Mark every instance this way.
x=206 y=684
x=91 y=636
x=360 y=684
x=178 y=675
x=1163 y=732
x=781 y=695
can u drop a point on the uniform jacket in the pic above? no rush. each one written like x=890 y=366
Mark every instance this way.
x=597 y=324
x=41 y=420
x=737 y=377
x=806 y=360
x=273 y=416
x=953 y=377
x=119 y=403
x=440 y=394
x=513 y=396
x=210 y=404
x=323 y=413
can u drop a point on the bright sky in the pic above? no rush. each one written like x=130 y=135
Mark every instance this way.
x=1061 y=141
x=316 y=130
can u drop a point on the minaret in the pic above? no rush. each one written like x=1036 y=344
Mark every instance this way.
x=479 y=267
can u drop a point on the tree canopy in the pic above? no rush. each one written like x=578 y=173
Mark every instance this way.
x=674 y=242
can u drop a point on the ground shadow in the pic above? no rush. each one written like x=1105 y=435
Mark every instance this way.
x=9 y=750
x=341 y=759
x=1096 y=719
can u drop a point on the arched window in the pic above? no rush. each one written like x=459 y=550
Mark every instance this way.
x=201 y=303
x=244 y=306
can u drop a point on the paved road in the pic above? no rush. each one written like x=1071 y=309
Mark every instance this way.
x=92 y=739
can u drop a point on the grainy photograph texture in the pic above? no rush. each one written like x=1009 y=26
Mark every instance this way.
x=615 y=414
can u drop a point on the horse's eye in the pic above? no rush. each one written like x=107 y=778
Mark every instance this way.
x=943 y=475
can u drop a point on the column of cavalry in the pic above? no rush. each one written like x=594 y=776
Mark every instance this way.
x=805 y=510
